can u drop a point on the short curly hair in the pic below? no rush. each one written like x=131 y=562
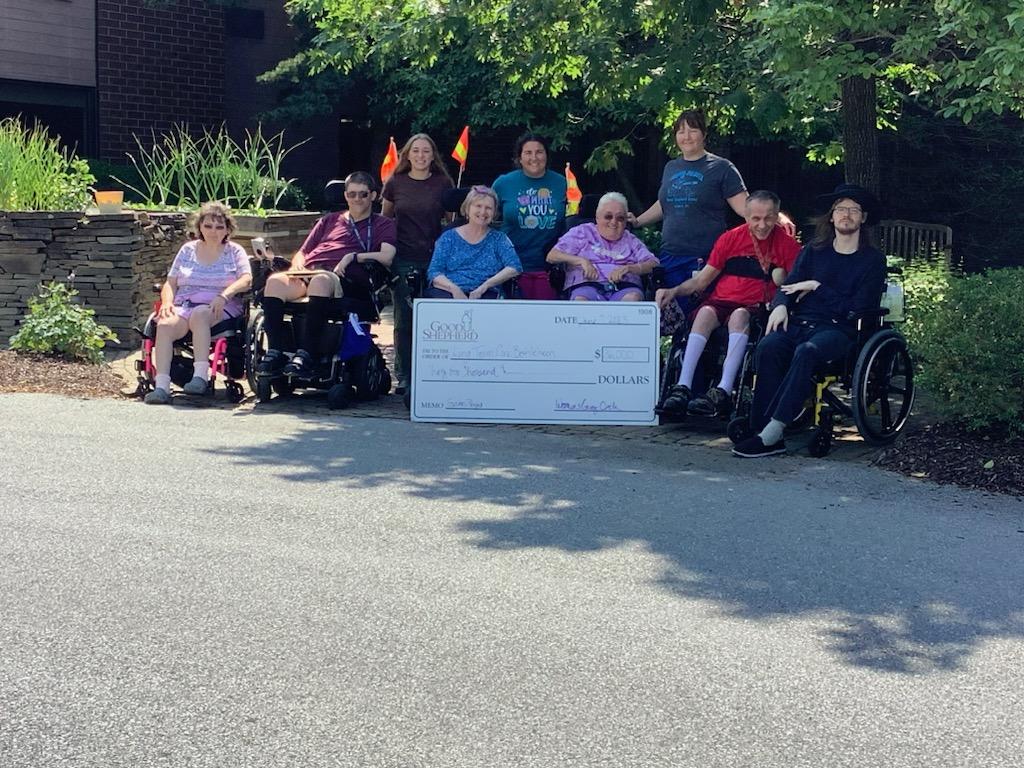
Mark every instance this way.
x=217 y=211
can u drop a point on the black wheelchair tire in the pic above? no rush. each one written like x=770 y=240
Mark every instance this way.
x=233 y=392
x=368 y=375
x=338 y=396
x=821 y=442
x=255 y=349
x=739 y=429
x=883 y=358
x=263 y=390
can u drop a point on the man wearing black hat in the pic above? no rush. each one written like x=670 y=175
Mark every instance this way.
x=836 y=275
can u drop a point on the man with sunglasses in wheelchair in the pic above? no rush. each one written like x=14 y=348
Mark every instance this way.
x=334 y=253
x=837 y=277
x=744 y=268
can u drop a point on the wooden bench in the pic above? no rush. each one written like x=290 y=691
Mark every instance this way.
x=914 y=240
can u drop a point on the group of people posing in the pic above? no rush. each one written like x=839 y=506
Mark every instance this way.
x=717 y=277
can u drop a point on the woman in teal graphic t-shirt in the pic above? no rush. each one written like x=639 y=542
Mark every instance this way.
x=532 y=204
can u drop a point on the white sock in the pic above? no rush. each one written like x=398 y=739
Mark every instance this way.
x=163 y=381
x=772 y=433
x=695 y=344
x=201 y=370
x=733 y=360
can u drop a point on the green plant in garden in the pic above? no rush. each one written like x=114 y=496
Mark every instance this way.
x=56 y=325
x=37 y=174
x=183 y=170
x=969 y=343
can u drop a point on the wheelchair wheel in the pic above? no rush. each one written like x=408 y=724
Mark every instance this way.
x=233 y=392
x=262 y=389
x=882 y=389
x=338 y=396
x=255 y=349
x=739 y=429
x=368 y=375
x=821 y=442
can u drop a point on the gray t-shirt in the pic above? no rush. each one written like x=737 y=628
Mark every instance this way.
x=693 y=198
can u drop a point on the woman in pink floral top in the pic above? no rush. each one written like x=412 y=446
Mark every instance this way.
x=603 y=261
x=201 y=289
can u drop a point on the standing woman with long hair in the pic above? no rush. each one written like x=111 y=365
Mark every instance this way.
x=532 y=201
x=413 y=198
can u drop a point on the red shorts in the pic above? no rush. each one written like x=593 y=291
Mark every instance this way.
x=723 y=309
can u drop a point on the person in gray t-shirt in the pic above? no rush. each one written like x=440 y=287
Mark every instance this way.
x=696 y=192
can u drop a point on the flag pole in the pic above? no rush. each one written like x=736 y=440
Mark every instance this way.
x=461 y=169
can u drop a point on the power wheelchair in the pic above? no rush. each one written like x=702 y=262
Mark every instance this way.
x=873 y=385
x=349 y=365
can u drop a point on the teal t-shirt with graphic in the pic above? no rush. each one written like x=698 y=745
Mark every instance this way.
x=532 y=214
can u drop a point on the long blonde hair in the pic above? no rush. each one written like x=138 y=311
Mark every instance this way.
x=436 y=164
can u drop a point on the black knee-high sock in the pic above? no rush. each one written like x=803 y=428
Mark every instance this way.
x=273 y=323
x=316 y=319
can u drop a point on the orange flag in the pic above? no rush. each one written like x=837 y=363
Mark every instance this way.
x=461 y=151
x=390 y=161
x=573 y=195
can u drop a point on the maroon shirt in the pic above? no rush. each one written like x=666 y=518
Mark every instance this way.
x=335 y=235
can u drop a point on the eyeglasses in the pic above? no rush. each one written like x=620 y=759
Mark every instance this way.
x=357 y=194
x=612 y=217
x=850 y=209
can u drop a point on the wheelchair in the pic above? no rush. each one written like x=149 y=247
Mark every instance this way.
x=711 y=362
x=348 y=365
x=227 y=355
x=873 y=386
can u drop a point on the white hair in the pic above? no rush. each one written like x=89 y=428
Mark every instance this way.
x=613 y=197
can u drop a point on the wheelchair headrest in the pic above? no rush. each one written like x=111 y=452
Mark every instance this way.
x=588 y=206
x=334 y=195
x=452 y=199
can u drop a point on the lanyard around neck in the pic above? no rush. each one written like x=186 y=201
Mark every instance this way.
x=364 y=244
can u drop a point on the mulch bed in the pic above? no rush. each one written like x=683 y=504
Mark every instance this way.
x=40 y=373
x=946 y=453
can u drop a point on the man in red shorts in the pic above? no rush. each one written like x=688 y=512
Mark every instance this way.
x=749 y=261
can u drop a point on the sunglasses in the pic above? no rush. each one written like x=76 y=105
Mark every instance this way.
x=620 y=219
x=357 y=194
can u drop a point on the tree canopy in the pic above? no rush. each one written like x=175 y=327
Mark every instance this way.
x=572 y=65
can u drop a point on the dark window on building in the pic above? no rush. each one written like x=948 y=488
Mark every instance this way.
x=244 y=22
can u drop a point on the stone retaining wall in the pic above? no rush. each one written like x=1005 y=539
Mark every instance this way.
x=115 y=259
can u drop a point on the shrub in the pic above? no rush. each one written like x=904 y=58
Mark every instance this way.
x=183 y=170
x=56 y=325
x=970 y=348
x=37 y=174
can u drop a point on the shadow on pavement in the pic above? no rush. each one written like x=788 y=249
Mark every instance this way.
x=899 y=591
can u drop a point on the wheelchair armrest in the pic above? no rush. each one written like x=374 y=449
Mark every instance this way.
x=556 y=277
x=867 y=314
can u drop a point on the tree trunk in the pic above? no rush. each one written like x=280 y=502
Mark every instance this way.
x=860 y=133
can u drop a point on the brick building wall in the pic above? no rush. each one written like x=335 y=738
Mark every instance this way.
x=157 y=66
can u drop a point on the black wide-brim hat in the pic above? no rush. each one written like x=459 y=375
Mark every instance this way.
x=871 y=204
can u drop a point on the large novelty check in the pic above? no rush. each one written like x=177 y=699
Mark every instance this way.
x=535 y=362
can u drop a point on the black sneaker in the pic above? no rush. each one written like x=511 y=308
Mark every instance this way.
x=272 y=363
x=300 y=366
x=754 y=448
x=676 y=401
x=716 y=403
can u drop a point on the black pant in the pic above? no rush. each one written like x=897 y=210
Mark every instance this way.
x=786 y=362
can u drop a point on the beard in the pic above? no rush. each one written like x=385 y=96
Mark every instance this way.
x=846 y=227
